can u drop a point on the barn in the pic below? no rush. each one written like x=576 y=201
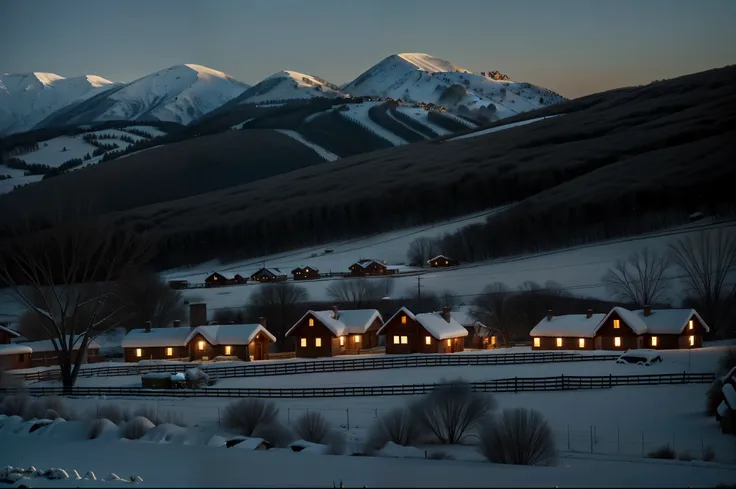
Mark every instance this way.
x=269 y=275
x=566 y=332
x=442 y=261
x=244 y=341
x=434 y=332
x=334 y=332
x=305 y=273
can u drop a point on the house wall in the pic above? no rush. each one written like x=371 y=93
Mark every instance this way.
x=319 y=330
x=311 y=275
x=605 y=337
x=568 y=343
x=15 y=361
x=439 y=263
x=155 y=353
x=416 y=336
x=50 y=358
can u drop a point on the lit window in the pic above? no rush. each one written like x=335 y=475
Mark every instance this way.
x=228 y=350
x=581 y=342
x=403 y=319
x=559 y=342
x=357 y=338
x=404 y=340
x=139 y=352
x=311 y=321
x=690 y=324
x=201 y=345
x=617 y=341
x=169 y=351
x=493 y=341
x=654 y=341
x=318 y=342
x=447 y=262
x=342 y=341
x=449 y=342
x=616 y=323
x=692 y=340
x=537 y=343
x=428 y=340
x=397 y=340
x=303 y=342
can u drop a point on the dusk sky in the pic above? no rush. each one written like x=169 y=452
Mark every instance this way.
x=573 y=47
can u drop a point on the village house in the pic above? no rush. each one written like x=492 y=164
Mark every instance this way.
x=269 y=275
x=156 y=343
x=218 y=279
x=334 y=332
x=369 y=267
x=671 y=329
x=566 y=332
x=43 y=353
x=479 y=336
x=305 y=273
x=434 y=332
x=442 y=261
x=14 y=356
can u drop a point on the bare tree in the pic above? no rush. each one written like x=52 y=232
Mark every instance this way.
x=640 y=280
x=493 y=308
x=357 y=291
x=706 y=262
x=279 y=302
x=71 y=269
x=150 y=299
x=421 y=250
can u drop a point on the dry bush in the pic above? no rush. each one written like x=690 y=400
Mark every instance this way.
x=398 y=426
x=709 y=454
x=312 y=427
x=336 y=443
x=450 y=411
x=15 y=405
x=520 y=437
x=46 y=406
x=663 y=452
x=275 y=433
x=246 y=415
x=137 y=427
x=158 y=417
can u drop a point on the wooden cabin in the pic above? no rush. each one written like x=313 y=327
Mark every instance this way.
x=43 y=353
x=334 y=332
x=435 y=332
x=269 y=275
x=15 y=356
x=305 y=273
x=440 y=261
x=368 y=267
x=247 y=342
x=220 y=279
x=566 y=332
x=156 y=343
x=669 y=329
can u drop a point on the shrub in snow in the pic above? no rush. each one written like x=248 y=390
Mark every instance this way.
x=336 y=443
x=450 y=411
x=246 y=415
x=15 y=405
x=275 y=433
x=440 y=456
x=111 y=412
x=664 y=452
x=313 y=427
x=98 y=426
x=398 y=426
x=520 y=437
x=709 y=454
x=137 y=427
x=158 y=417
x=196 y=377
x=714 y=397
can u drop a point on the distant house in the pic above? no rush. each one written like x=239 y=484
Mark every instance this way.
x=244 y=341
x=219 y=279
x=330 y=333
x=566 y=332
x=369 y=267
x=43 y=353
x=479 y=335
x=305 y=273
x=269 y=275
x=435 y=332
x=442 y=261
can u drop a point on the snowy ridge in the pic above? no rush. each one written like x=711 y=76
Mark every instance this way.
x=290 y=85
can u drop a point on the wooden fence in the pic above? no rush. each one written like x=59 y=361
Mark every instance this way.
x=515 y=384
x=257 y=369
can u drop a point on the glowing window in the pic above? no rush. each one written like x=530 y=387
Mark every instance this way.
x=357 y=338
x=311 y=321
x=654 y=341
x=617 y=341
x=559 y=342
x=403 y=319
x=537 y=342
x=690 y=324
x=397 y=340
x=342 y=341
x=303 y=342
x=493 y=341
x=169 y=351
x=449 y=342
x=139 y=352
x=200 y=345
x=616 y=323
x=427 y=340
x=692 y=340
x=404 y=340
x=318 y=342
x=228 y=350
x=581 y=342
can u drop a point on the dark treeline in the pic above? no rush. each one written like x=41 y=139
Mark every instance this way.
x=379 y=115
x=413 y=123
x=446 y=122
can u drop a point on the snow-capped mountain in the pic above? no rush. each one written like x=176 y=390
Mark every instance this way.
x=419 y=77
x=290 y=85
x=27 y=98
x=179 y=94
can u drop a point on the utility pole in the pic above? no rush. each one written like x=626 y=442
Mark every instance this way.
x=419 y=292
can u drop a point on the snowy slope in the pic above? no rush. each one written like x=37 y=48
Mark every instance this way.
x=327 y=155
x=290 y=85
x=26 y=99
x=56 y=151
x=501 y=128
x=359 y=113
x=178 y=94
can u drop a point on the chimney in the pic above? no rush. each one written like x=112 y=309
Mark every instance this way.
x=262 y=321
x=549 y=315
x=197 y=314
x=447 y=313
x=177 y=323
x=148 y=326
x=335 y=312
x=647 y=310
x=589 y=314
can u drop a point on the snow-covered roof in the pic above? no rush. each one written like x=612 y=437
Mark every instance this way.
x=633 y=321
x=355 y=321
x=47 y=345
x=9 y=331
x=434 y=324
x=273 y=271
x=226 y=275
x=368 y=262
x=14 y=349
x=438 y=257
x=305 y=267
x=572 y=325
x=158 y=337
x=649 y=355
x=229 y=334
x=668 y=321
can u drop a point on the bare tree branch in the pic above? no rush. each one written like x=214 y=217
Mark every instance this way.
x=640 y=280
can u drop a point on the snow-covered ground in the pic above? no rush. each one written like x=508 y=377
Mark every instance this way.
x=420 y=115
x=9 y=184
x=327 y=155
x=501 y=128
x=51 y=152
x=359 y=113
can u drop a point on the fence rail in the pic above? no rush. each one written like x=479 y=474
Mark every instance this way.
x=516 y=384
x=336 y=365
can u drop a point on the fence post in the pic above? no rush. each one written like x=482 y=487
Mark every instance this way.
x=288 y=415
x=516 y=386
x=610 y=381
x=562 y=378
x=591 y=439
x=347 y=412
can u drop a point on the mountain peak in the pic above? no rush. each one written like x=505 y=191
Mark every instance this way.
x=429 y=63
x=46 y=78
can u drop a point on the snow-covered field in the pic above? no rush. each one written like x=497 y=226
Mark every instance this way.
x=501 y=128
x=359 y=113
x=420 y=115
x=327 y=155
x=52 y=152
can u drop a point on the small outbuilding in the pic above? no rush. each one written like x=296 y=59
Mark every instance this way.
x=434 y=332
